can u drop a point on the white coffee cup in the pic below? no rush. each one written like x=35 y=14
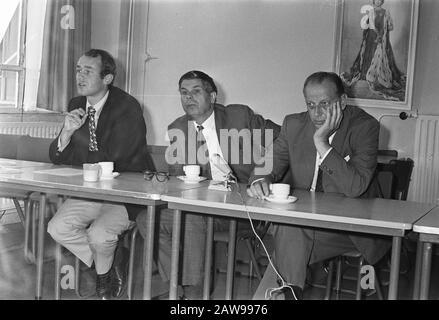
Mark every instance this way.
x=91 y=172
x=107 y=169
x=280 y=190
x=192 y=171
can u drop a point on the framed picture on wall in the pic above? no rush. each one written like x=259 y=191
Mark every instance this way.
x=375 y=51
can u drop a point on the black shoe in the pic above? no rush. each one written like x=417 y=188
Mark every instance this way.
x=288 y=292
x=103 y=286
x=120 y=272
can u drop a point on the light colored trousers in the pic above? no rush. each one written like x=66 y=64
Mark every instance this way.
x=90 y=230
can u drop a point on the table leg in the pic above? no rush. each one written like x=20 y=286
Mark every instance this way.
x=149 y=245
x=231 y=259
x=40 y=249
x=394 y=268
x=208 y=258
x=426 y=270
x=173 y=283
x=418 y=265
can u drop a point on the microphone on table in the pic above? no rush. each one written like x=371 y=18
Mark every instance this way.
x=224 y=168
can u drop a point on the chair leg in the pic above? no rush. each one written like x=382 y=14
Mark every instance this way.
x=329 y=280
x=378 y=287
x=131 y=263
x=28 y=216
x=19 y=211
x=254 y=262
x=358 y=290
x=338 y=278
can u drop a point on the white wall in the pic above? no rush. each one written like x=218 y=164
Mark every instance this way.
x=258 y=52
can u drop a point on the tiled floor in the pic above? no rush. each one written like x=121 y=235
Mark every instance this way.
x=17 y=278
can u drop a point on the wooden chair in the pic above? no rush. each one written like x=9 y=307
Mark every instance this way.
x=393 y=181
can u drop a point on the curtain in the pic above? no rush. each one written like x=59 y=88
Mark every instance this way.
x=66 y=37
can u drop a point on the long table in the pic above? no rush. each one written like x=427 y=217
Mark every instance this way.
x=391 y=218
x=428 y=229
x=127 y=188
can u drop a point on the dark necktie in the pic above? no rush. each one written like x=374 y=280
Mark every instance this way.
x=319 y=186
x=202 y=153
x=93 y=144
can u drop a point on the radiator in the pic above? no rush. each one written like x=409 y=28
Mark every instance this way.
x=34 y=129
x=425 y=181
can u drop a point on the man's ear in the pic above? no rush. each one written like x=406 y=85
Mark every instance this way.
x=108 y=78
x=343 y=101
x=213 y=97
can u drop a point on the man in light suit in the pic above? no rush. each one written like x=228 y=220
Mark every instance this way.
x=203 y=115
x=330 y=148
x=103 y=124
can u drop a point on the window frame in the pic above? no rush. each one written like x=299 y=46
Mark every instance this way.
x=20 y=67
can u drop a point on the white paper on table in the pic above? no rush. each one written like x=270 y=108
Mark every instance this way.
x=9 y=170
x=61 y=172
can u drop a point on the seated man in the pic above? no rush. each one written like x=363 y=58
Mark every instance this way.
x=330 y=148
x=204 y=131
x=103 y=124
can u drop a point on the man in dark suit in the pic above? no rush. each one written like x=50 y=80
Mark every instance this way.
x=103 y=124
x=330 y=148
x=218 y=125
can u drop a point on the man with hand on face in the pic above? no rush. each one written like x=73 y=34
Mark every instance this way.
x=103 y=124
x=205 y=119
x=330 y=148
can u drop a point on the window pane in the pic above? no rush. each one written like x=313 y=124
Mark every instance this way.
x=8 y=88
x=10 y=34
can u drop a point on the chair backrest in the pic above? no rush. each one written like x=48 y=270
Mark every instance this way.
x=8 y=146
x=398 y=173
x=33 y=149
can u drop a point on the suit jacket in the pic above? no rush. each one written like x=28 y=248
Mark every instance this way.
x=120 y=134
x=235 y=116
x=348 y=168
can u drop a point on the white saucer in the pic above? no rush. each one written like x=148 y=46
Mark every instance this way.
x=187 y=180
x=290 y=199
x=115 y=174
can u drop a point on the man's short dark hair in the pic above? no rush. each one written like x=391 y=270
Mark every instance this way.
x=208 y=83
x=321 y=76
x=108 y=64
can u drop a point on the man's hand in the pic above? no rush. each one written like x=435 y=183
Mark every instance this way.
x=72 y=122
x=260 y=189
x=334 y=115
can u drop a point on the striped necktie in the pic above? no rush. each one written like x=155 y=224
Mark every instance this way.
x=203 y=154
x=93 y=144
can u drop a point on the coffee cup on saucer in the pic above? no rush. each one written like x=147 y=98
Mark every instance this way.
x=280 y=190
x=192 y=171
x=107 y=168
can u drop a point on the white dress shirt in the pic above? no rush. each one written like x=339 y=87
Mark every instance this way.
x=98 y=107
x=213 y=146
x=318 y=162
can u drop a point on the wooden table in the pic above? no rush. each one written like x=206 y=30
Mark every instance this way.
x=323 y=210
x=127 y=188
x=428 y=229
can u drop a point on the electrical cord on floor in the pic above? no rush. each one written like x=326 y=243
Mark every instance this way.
x=269 y=292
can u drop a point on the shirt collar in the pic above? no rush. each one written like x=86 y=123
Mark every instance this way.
x=209 y=123
x=100 y=104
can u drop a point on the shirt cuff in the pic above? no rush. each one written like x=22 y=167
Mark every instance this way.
x=324 y=156
x=60 y=147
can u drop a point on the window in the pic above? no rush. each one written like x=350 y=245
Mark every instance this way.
x=12 y=72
